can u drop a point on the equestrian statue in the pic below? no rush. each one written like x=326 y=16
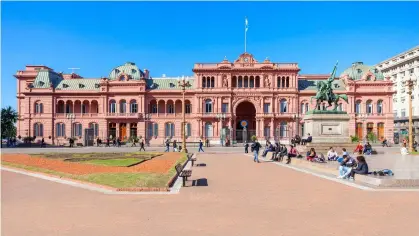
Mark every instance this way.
x=325 y=93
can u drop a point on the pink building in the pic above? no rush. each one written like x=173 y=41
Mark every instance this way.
x=267 y=98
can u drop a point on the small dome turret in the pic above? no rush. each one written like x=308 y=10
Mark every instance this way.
x=128 y=69
x=359 y=71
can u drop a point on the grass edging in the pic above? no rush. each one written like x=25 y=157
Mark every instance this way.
x=82 y=178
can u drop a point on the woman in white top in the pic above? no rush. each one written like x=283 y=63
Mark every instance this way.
x=403 y=150
x=332 y=155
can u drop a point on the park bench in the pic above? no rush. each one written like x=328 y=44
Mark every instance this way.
x=192 y=159
x=183 y=173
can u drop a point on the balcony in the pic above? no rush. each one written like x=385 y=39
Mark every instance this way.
x=76 y=115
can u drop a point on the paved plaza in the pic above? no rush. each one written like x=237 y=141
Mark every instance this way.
x=232 y=196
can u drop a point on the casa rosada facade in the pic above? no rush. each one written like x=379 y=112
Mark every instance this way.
x=268 y=99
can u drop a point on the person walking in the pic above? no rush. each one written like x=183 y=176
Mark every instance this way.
x=174 y=146
x=108 y=142
x=246 y=147
x=42 y=142
x=167 y=145
x=142 y=145
x=255 y=149
x=134 y=140
x=119 y=142
x=201 y=144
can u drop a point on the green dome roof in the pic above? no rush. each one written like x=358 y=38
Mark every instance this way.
x=358 y=69
x=129 y=69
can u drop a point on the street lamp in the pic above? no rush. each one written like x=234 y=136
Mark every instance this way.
x=221 y=117
x=410 y=83
x=147 y=117
x=71 y=117
x=183 y=84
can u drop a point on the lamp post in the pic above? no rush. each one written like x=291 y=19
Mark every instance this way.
x=147 y=117
x=183 y=84
x=221 y=117
x=71 y=117
x=410 y=83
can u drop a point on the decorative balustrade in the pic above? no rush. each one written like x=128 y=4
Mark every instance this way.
x=126 y=115
x=77 y=115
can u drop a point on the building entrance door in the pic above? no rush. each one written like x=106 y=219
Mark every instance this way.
x=246 y=121
x=122 y=131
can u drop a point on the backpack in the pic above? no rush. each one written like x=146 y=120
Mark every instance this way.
x=384 y=172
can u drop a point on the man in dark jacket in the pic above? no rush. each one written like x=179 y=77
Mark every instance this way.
x=361 y=169
x=255 y=149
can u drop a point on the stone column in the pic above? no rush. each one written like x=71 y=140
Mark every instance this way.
x=128 y=130
x=272 y=128
x=117 y=131
x=142 y=129
x=257 y=128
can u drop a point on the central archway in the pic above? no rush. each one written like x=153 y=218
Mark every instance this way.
x=246 y=121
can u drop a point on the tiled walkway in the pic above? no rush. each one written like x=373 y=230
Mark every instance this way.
x=241 y=198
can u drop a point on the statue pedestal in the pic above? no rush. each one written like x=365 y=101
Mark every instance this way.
x=328 y=129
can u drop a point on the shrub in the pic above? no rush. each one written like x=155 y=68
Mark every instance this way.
x=354 y=139
x=372 y=137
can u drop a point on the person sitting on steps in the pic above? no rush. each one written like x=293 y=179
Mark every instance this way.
x=346 y=166
x=361 y=169
x=292 y=153
x=307 y=140
x=332 y=155
x=311 y=155
x=283 y=151
x=368 y=148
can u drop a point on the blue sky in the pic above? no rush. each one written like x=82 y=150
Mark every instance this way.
x=169 y=37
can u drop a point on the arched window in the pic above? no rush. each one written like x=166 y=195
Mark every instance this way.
x=204 y=84
x=112 y=106
x=39 y=107
x=212 y=82
x=369 y=107
x=133 y=108
x=169 y=130
x=60 y=130
x=208 y=106
x=188 y=108
x=283 y=129
x=278 y=82
x=77 y=130
x=288 y=82
x=170 y=109
x=208 y=130
x=95 y=128
x=283 y=82
x=307 y=107
x=284 y=106
x=380 y=107
x=252 y=82
x=122 y=106
x=153 y=130
x=38 y=130
x=240 y=84
x=187 y=128
x=246 y=82
x=208 y=82
x=358 y=107
x=302 y=108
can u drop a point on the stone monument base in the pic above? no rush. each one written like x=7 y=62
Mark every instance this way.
x=328 y=129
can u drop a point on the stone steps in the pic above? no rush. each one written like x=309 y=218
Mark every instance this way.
x=331 y=168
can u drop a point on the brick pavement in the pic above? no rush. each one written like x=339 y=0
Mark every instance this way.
x=242 y=198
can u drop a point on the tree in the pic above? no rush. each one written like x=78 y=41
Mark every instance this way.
x=8 y=119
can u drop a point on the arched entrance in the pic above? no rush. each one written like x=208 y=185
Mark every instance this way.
x=246 y=121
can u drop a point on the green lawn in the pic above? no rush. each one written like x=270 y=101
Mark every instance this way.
x=116 y=180
x=114 y=162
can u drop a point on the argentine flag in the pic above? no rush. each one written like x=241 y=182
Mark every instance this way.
x=246 y=24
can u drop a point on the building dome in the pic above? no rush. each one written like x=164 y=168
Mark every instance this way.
x=128 y=69
x=359 y=71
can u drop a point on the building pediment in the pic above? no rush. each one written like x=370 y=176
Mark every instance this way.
x=246 y=58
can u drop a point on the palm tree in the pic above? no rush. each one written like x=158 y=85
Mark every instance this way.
x=8 y=119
